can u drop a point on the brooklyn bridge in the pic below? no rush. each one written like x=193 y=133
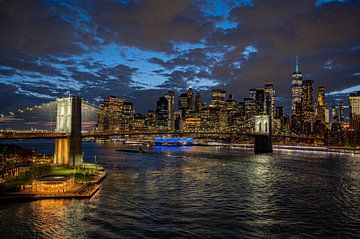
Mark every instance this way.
x=46 y=127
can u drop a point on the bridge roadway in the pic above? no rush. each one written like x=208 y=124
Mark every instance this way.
x=96 y=134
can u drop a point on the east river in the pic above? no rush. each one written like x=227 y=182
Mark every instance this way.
x=200 y=192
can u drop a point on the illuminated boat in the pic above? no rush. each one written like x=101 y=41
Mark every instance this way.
x=133 y=142
x=173 y=141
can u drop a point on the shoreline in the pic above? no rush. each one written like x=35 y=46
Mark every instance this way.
x=84 y=191
x=280 y=147
x=324 y=149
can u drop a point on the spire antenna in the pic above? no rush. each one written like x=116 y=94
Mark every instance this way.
x=297 y=64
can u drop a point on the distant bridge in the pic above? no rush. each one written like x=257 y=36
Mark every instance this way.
x=49 y=109
x=43 y=134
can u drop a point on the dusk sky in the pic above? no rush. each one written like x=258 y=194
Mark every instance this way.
x=140 y=49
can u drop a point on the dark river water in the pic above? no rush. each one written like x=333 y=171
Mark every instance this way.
x=200 y=192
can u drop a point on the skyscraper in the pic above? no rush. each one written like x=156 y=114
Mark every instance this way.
x=186 y=103
x=279 y=112
x=170 y=96
x=190 y=99
x=341 y=112
x=308 y=101
x=250 y=107
x=162 y=113
x=218 y=98
x=269 y=99
x=308 y=95
x=127 y=116
x=296 y=89
x=320 y=109
x=321 y=96
x=333 y=112
x=183 y=104
x=260 y=101
x=110 y=114
x=354 y=104
x=198 y=102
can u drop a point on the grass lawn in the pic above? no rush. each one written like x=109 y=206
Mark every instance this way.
x=83 y=174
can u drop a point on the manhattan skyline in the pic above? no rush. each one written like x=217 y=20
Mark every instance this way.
x=139 y=50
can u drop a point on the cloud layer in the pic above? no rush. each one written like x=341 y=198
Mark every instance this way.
x=141 y=49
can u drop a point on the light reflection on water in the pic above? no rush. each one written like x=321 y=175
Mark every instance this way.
x=202 y=192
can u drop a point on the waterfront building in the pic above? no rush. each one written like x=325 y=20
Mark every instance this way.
x=115 y=114
x=53 y=183
x=354 y=108
x=192 y=124
x=127 y=115
x=138 y=122
x=210 y=119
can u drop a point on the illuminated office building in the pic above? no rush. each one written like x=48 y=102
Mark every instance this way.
x=260 y=101
x=296 y=90
x=320 y=109
x=170 y=96
x=150 y=120
x=115 y=114
x=341 y=111
x=162 y=113
x=269 y=99
x=218 y=98
x=198 y=102
x=190 y=100
x=354 y=107
x=183 y=104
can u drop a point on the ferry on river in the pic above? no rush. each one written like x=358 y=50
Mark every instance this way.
x=174 y=141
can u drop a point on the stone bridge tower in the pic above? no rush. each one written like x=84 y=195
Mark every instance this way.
x=263 y=134
x=68 y=151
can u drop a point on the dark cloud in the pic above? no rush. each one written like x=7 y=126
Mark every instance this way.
x=150 y=24
x=33 y=27
x=49 y=47
x=106 y=81
x=28 y=63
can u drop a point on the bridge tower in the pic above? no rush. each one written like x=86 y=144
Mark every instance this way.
x=263 y=134
x=68 y=151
